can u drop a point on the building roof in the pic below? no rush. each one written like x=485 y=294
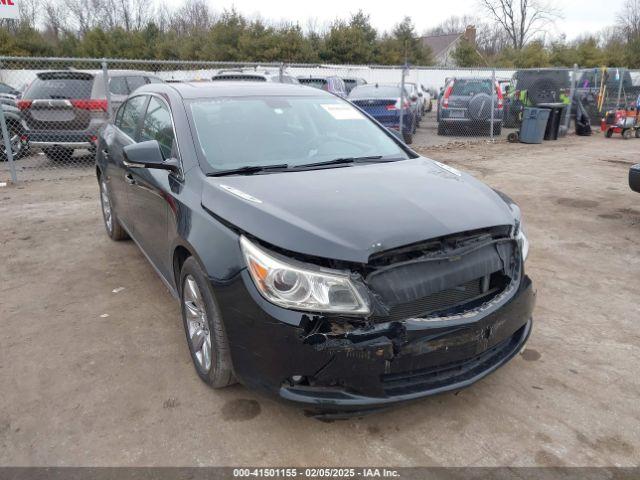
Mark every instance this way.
x=439 y=43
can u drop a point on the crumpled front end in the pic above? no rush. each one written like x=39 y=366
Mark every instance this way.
x=445 y=313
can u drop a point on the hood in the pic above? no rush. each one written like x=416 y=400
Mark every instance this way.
x=352 y=212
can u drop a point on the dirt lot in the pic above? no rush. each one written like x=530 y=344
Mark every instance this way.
x=94 y=367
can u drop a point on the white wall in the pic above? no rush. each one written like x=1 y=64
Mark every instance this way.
x=430 y=78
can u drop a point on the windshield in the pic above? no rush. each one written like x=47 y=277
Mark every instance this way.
x=372 y=91
x=261 y=131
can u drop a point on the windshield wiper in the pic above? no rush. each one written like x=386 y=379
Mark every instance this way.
x=337 y=161
x=248 y=170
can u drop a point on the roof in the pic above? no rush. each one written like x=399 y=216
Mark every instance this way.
x=189 y=90
x=439 y=43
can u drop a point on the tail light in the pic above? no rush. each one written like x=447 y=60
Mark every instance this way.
x=91 y=105
x=500 y=98
x=447 y=94
x=23 y=104
x=396 y=106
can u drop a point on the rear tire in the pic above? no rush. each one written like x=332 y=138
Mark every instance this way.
x=626 y=134
x=17 y=147
x=203 y=323
x=111 y=223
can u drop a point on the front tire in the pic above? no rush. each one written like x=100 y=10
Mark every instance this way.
x=204 y=327
x=111 y=223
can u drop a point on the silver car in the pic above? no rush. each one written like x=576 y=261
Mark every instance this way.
x=62 y=111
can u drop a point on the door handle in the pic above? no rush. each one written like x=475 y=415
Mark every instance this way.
x=129 y=179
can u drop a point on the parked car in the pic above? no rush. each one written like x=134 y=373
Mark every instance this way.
x=416 y=99
x=63 y=110
x=428 y=95
x=331 y=84
x=634 y=178
x=466 y=102
x=382 y=102
x=254 y=75
x=352 y=82
x=315 y=257
x=531 y=87
x=17 y=139
x=9 y=91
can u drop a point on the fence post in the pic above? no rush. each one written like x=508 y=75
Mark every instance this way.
x=105 y=78
x=620 y=73
x=404 y=71
x=7 y=145
x=572 y=93
x=493 y=101
x=280 y=71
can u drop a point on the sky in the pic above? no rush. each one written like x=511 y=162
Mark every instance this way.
x=579 y=16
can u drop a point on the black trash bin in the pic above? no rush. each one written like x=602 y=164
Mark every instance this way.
x=555 y=116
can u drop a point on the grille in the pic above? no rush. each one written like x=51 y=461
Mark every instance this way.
x=449 y=373
x=449 y=301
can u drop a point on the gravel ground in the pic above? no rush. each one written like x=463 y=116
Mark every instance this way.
x=95 y=370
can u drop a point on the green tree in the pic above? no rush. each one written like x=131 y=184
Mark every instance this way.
x=350 y=42
x=589 y=53
x=466 y=55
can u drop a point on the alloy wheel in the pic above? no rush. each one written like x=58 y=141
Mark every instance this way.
x=197 y=323
x=106 y=206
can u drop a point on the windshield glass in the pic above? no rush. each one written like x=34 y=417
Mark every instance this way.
x=261 y=131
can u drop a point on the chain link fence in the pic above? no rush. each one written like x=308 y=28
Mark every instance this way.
x=53 y=108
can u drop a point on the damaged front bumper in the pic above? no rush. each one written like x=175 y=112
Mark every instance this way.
x=274 y=350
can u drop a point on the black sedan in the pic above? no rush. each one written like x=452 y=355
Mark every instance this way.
x=316 y=257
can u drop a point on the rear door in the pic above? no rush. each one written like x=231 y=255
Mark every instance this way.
x=126 y=131
x=60 y=101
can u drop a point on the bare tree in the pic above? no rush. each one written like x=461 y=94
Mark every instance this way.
x=521 y=19
x=29 y=11
x=629 y=19
x=453 y=24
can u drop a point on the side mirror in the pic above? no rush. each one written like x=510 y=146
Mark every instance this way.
x=148 y=155
x=634 y=178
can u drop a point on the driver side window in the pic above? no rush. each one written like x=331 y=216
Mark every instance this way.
x=158 y=126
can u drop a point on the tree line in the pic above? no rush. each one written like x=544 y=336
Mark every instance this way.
x=131 y=29
x=510 y=33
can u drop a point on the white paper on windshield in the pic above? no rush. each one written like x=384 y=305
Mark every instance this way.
x=342 y=112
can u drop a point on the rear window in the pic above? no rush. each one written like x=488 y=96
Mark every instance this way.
x=60 y=85
x=471 y=87
x=371 y=91
x=251 y=78
x=313 y=82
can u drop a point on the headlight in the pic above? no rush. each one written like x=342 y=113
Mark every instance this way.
x=521 y=237
x=301 y=287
